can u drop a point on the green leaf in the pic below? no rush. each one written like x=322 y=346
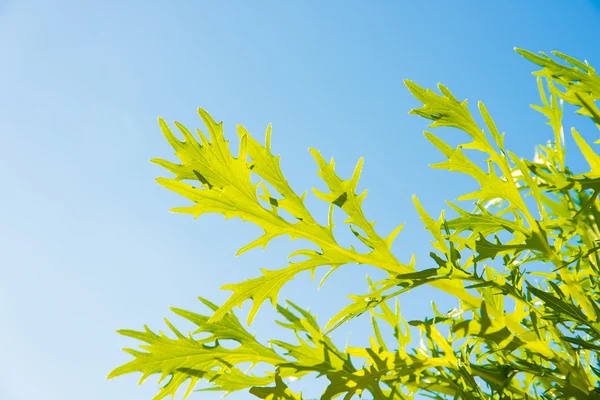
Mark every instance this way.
x=268 y=286
x=225 y=187
x=580 y=80
x=185 y=358
x=590 y=155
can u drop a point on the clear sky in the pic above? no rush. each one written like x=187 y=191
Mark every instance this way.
x=87 y=243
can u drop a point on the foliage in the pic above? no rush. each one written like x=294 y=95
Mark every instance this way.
x=527 y=214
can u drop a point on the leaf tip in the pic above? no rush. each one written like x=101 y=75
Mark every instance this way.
x=111 y=375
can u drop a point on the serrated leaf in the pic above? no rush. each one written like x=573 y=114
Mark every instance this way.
x=226 y=188
x=267 y=287
x=185 y=358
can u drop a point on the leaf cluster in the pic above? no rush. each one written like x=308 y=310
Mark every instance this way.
x=522 y=263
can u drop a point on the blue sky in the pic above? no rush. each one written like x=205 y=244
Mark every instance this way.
x=87 y=243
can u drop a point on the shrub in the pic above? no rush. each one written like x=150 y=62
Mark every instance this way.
x=526 y=214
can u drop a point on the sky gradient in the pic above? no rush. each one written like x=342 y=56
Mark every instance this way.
x=87 y=245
